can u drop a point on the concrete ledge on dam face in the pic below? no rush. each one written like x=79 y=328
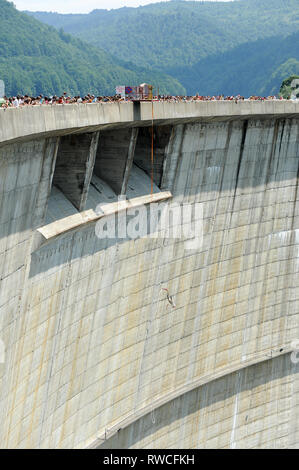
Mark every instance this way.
x=105 y=439
x=51 y=231
x=38 y=121
x=210 y=416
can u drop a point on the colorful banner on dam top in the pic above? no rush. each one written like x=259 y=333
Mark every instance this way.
x=143 y=92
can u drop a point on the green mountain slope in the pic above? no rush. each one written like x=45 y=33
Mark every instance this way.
x=177 y=34
x=254 y=68
x=286 y=90
x=36 y=58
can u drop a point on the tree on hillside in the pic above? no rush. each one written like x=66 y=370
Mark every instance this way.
x=286 y=90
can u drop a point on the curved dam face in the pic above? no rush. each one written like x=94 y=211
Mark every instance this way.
x=94 y=354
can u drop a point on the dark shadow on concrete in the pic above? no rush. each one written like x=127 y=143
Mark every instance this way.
x=89 y=240
x=159 y=140
x=278 y=161
x=282 y=165
x=136 y=111
x=203 y=397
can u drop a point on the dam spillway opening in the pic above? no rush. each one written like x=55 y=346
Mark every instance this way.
x=94 y=170
x=97 y=168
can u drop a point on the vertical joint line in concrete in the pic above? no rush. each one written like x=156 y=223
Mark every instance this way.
x=53 y=164
x=244 y=133
x=173 y=152
x=167 y=158
x=130 y=158
x=89 y=166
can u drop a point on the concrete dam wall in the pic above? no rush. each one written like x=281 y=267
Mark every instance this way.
x=92 y=353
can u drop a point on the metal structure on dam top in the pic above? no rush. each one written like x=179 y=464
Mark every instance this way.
x=121 y=342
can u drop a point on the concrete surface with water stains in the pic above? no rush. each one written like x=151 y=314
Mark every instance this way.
x=94 y=354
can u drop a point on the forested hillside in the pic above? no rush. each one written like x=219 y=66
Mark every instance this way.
x=243 y=47
x=171 y=34
x=257 y=67
x=287 y=90
x=36 y=58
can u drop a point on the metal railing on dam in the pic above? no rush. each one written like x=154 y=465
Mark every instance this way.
x=94 y=352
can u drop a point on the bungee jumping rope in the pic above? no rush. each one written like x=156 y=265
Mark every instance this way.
x=152 y=151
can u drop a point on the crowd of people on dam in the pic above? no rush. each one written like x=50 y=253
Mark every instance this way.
x=26 y=100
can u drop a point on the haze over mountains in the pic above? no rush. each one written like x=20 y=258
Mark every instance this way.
x=246 y=46
x=257 y=67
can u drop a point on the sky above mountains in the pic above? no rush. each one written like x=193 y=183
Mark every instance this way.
x=80 y=6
